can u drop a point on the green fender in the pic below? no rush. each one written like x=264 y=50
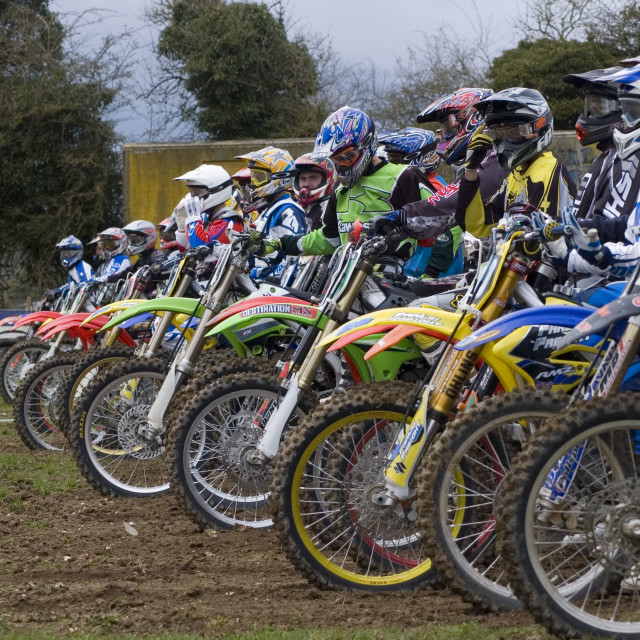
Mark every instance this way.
x=175 y=305
x=302 y=314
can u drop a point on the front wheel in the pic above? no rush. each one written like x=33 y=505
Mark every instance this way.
x=109 y=430
x=16 y=360
x=457 y=487
x=218 y=478
x=569 y=521
x=38 y=403
x=322 y=490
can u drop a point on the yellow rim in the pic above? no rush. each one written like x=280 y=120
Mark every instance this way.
x=349 y=576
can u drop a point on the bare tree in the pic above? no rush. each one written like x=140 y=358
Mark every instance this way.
x=556 y=19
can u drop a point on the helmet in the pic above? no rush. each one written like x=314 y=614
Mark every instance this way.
x=348 y=138
x=520 y=122
x=167 y=232
x=416 y=146
x=214 y=182
x=71 y=251
x=325 y=168
x=271 y=173
x=627 y=138
x=112 y=241
x=601 y=115
x=141 y=235
x=458 y=118
x=241 y=185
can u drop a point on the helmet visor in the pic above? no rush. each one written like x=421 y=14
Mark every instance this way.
x=67 y=254
x=630 y=112
x=260 y=177
x=512 y=132
x=108 y=245
x=346 y=158
x=596 y=106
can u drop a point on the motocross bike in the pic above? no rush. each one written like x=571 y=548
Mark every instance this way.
x=117 y=425
x=221 y=446
x=574 y=494
x=474 y=454
x=21 y=357
x=39 y=400
x=351 y=457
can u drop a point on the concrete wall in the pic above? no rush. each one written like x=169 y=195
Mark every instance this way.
x=150 y=192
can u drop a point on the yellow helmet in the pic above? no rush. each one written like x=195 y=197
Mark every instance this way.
x=272 y=171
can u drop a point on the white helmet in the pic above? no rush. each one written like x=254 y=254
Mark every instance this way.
x=214 y=179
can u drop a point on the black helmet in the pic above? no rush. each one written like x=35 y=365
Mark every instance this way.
x=520 y=123
x=602 y=113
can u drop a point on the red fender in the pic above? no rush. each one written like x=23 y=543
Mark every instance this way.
x=249 y=303
x=9 y=320
x=37 y=316
x=357 y=335
x=63 y=323
x=399 y=333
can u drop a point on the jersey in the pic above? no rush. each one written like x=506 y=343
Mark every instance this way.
x=201 y=232
x=113 y=269
x=282 y=218
x=544 y=183
x=78 y=273
x=619 y=235
x=382 y=189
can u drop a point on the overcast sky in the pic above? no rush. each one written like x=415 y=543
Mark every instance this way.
x=360 y=30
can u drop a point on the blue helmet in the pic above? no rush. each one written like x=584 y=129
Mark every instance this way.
x=71 y=251
x=348 y=138
x=416 y=146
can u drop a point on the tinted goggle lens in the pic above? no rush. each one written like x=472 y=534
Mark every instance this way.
x=260 y=177
x=107 y=245
x=136 y=239
x=67 y=253
x=346 y=158
x=511 y=132
x=596 y=106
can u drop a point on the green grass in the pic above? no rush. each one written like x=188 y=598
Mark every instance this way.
x=465 y=631
x=31 y=472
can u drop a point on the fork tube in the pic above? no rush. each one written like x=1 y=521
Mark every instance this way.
x=313 y=361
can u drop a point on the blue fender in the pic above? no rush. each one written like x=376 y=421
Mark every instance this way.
x=555 y=315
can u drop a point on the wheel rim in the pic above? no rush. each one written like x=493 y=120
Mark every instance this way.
x=221 y=475
x=19 y=365
x=112 y=440
x=469 y=488
x=41 y=410
x=324 y=506
x=577 y=548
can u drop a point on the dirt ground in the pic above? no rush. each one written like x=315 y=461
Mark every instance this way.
x=68 y=563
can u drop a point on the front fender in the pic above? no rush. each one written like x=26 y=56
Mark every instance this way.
x=37 y=316
x=9 y=320
x=251 y=303
x=64 y=323
x=187 y=306
x=114 y=307
x=306 y=314
x=555 y=315
x=600 y=320
x=435 y=322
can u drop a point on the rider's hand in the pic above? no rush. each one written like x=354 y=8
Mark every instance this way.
x=477 y=148
x=382 y=225
x=263 y=246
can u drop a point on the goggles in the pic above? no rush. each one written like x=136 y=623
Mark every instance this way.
x=68 y=253
x=448 y=127
x=107 y=245
x=630 y=112
x=260 y=177
x=346 y=158
x=596 y=106
x=512 y=132
x=136 y=239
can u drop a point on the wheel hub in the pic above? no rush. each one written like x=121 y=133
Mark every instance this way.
x=242 y=462
x=130 y=428
x=612 y=525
